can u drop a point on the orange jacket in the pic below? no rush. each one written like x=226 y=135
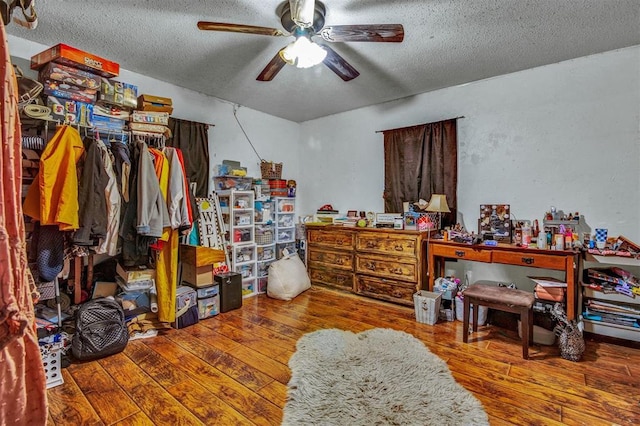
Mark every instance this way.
x=52 y=198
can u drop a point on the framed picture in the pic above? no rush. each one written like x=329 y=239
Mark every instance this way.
x=352 y=213
x=495 y=219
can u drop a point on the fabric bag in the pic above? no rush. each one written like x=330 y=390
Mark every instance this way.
x=287 y=277
x=100 y=330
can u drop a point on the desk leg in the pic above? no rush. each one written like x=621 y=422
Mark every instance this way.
x=571 y=287
x=431 y=270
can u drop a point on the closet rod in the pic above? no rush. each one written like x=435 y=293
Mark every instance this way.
x=406 y=127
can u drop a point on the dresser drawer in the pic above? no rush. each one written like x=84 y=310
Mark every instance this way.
x=530 y=259
x=334 y=259
x=398 y=245
x=457 y=252
x=390 y=290
x=331 y=278
x=330 y=238
x=396 y=268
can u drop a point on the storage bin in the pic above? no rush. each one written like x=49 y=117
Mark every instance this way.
x=482 y=312
x=427 y=306
x=209 y=306
x=186 y=307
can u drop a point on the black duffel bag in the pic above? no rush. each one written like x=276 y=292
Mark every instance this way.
x=100 y=330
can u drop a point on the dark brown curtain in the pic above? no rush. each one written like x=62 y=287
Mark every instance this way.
x=419 y=161
x=193 y=140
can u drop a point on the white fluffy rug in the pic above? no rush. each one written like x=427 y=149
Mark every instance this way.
x=377 y=377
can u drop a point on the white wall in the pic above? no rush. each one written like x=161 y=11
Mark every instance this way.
x=565 y=135
x=274 y=139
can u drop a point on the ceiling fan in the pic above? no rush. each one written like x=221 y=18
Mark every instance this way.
x=304 y=19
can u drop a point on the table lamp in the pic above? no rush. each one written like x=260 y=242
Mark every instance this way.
x=438 y=204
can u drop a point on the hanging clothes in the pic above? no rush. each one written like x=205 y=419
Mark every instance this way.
x=152 y=214
x=122 y=165
x=166 y=247
x=177 y=196
x=190 y=198
x=52 y=198
x=91 y=197
x=23 y=398
x=135 y=247
x=109 y=244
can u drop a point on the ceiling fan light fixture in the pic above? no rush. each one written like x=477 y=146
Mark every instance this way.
x=303 y=53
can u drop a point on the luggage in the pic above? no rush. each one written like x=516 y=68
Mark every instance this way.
x=100 y=330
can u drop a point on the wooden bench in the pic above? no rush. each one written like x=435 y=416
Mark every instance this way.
x=503 y=299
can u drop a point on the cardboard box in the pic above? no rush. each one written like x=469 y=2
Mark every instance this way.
x=71 y=112
x=197 y=276
x=69 y=75
x=145 y=127
x=107 y=123
x=150 y=117
x=76 y=58
x=135 y=273
x=68 y=91
x=155 y=103
x=111 y=111
x=200 y=256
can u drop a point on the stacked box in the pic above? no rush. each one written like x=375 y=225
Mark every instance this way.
x=186 y=307
x=208 y=301
x=70 y=75
x=68 y=91
x=150 y=117
x=70 y=111
x=70 y=56
x=155 y=103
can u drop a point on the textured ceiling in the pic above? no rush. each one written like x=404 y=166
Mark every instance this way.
x=446 y=43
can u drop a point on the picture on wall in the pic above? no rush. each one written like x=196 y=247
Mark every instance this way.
x=495 y=219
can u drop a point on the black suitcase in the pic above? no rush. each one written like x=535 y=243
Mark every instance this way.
x=230 y=284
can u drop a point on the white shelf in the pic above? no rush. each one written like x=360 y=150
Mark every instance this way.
x=612 y=330
x=605 y=328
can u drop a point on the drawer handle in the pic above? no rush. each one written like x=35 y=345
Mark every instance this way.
x=399 y=248
x=459 y=253
x=339 y=261
x=527 y=260
x=372 y=244
x=340 y=279
x=370 y=266
x=319 y=239
x=339 y=242
x=397 y=271
x=397 y=294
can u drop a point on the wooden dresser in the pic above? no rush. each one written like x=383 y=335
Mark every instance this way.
x=386 y=264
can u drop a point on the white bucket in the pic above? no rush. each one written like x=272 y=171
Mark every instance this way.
x=427 y=306
x=482 y=312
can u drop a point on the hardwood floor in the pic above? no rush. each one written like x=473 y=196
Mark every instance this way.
x=232 y=369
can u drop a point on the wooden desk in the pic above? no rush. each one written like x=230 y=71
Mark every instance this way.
x=508 y=254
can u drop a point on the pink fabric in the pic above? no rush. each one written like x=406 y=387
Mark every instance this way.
x=22 y=378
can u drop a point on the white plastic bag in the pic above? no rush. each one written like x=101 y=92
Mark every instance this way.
x=287 y=278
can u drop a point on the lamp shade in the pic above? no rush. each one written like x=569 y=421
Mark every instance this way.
x=438 y=203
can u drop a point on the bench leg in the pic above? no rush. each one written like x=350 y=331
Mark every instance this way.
x=526 y=321
x=465 y=322
x=476 y=308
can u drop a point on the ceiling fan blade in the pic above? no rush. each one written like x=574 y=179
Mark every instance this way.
x=302 y=12
x=339 y=65
x=381 y=33
x=239 y=28
x=273 y=67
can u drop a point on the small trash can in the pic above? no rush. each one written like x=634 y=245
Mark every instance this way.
x=427 y=306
